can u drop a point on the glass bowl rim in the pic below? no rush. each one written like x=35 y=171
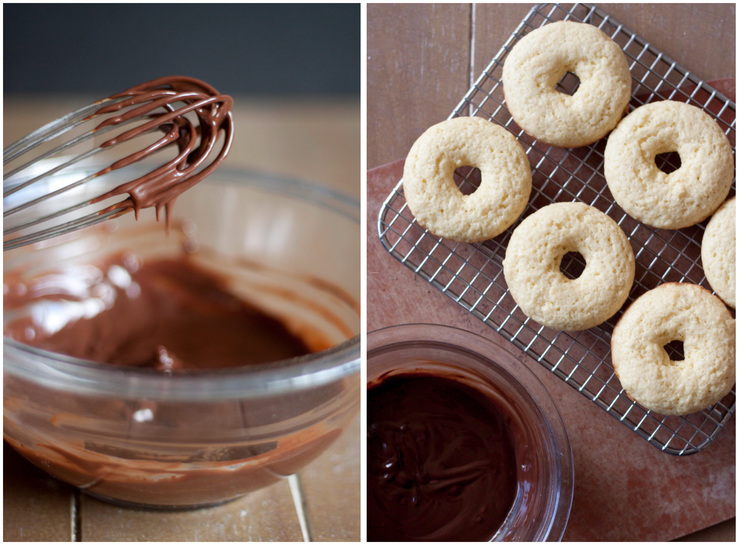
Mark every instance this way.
x=73 y=374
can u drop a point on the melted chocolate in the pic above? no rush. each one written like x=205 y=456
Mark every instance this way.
x=440 y=461
x=166 y=314
x=166 y=102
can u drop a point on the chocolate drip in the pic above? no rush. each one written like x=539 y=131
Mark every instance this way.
x=166 y=102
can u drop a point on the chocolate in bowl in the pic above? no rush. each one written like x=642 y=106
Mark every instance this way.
x=438 y=468
x=196 y=437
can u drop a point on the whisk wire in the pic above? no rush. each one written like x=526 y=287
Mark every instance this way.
x=47 y=189
x=51 y=130
x=57 y=230
x=53 y=193
x=53 y=152
x=43 y=175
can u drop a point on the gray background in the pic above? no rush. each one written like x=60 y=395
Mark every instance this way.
x=258 y=49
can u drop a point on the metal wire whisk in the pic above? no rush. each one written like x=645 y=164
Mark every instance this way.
x=71 y=173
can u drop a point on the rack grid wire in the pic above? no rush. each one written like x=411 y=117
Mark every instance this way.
x=471 y=274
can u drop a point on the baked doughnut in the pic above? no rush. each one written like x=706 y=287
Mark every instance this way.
x=685 y=196
x=435 y=200
x=542 y=58
x=668 y=313
x=535 y=252
x=719 y=253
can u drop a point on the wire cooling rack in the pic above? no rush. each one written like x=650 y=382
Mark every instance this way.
x=471 y=274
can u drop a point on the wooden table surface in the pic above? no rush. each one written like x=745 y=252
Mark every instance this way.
x=421 y=60
x=311 y=140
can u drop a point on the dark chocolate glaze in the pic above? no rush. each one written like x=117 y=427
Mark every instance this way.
x=167 y=103
x=166 y=314
x=440 y=461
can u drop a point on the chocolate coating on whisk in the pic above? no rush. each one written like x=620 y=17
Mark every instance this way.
x=166 y=102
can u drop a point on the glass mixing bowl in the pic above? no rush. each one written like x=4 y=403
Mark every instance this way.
x=194 y=438
x=544 y=460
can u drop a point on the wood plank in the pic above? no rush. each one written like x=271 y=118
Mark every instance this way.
x=316 y=140
x=418 y=58
x=36 y=507
x=264 y=515
x=331 y=489
x=494 y=25
x=701 y=37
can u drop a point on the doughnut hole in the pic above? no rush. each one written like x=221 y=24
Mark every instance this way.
x=668 y=162
x=467 y=179
x=572 y=265
x=568 y=84
x=675 y=350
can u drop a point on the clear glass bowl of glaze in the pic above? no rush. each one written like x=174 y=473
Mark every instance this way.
x=143 y=438
x=544 y=460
